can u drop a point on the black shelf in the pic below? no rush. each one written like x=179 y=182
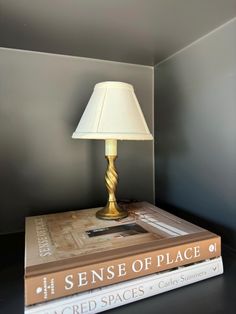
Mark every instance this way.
x=212 y=296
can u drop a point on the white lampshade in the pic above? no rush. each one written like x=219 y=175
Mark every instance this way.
x=113 y=112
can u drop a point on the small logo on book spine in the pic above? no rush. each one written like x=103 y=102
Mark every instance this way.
x=212 y=248
x=47 y=289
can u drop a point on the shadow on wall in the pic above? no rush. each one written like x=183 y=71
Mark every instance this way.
x=188 y=172
x=170 y=139
x=195 y=132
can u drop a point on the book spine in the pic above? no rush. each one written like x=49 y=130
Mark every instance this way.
x=47 y=287
x=106 y=298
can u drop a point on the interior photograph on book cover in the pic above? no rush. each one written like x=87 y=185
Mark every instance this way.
x=70 y=234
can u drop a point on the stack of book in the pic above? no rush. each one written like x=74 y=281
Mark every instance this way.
x=76 y=263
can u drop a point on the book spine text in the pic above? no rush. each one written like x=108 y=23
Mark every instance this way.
x=106 y=298
x=46 y=287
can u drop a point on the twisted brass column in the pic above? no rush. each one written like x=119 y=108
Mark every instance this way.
x=111 y=211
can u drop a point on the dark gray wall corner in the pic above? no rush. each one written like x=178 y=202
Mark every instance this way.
x=42 y=97
x=195 y=131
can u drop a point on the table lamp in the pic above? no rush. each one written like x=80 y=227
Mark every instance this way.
x=113 y=113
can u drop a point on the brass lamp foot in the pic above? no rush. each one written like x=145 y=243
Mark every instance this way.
x=111 y=212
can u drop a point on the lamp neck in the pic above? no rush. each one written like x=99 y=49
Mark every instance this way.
x=111 y=147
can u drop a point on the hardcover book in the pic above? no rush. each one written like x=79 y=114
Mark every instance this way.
x=105 y=298
x=71 y=252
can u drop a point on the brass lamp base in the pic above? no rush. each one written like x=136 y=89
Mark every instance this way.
x=111 y=212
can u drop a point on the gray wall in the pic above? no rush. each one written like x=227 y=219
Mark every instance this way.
x=42 y=97
x=195 y=131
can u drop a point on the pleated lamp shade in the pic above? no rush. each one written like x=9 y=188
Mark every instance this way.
x=113 y=112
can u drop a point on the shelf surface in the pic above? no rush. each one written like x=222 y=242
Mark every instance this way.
x=214 y=296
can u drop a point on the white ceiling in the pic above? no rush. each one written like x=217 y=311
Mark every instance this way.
x=135 y=31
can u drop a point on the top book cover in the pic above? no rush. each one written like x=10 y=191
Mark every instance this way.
x=77 y=238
